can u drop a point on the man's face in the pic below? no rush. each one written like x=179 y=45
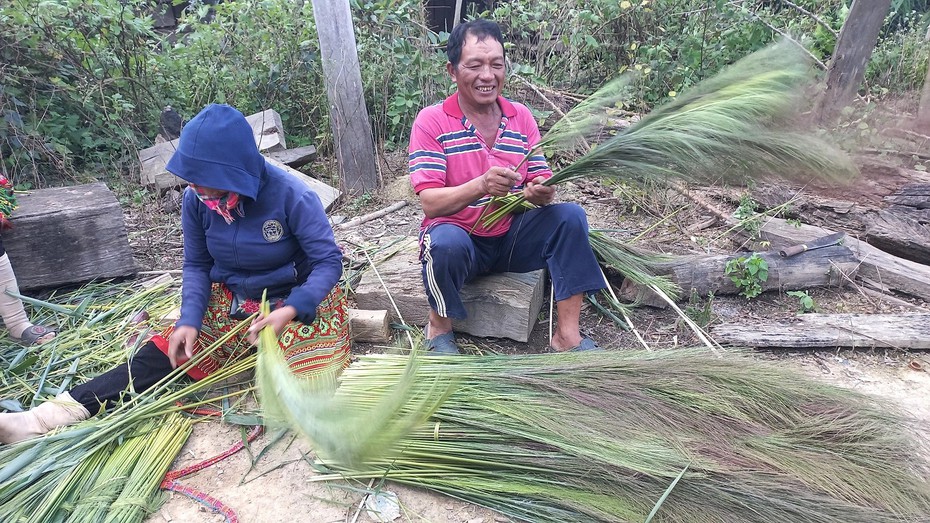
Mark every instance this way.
x=479 y=76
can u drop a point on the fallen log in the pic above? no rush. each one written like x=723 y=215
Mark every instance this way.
x=902 y=331
x=826 y=267
x=68 y=235
x=892 y=272
x=369 y=326
x=900 y=232
x=502 y=305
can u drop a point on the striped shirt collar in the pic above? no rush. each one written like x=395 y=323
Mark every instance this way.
x=451 y=107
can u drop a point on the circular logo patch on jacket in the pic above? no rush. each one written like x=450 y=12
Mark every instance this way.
x=272 y=231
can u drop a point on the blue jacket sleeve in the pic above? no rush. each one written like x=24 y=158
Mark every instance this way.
x=195 y=286
x=307 y=221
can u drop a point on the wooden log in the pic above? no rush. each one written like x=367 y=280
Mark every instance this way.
x=827 y=267
x=899 y=232
x=905 y=331
x=295 y=158
x=502 y=305
x=892 y=272
x=369 y=326
x=266 y=129
x=68 y=235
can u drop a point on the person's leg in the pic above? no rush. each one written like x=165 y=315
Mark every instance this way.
x=145 y=369
x=12 y=311
x=448 y=259
x=555 y=237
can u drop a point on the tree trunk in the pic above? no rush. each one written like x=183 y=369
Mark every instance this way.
x=922 y=123
x=817 y=331
x=352 y=136
x=853 y=50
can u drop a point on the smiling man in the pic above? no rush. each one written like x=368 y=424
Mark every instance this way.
x=467 y=149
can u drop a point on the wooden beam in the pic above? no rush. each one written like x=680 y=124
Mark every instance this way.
x=369 y=326
x=297 y=157
x=502 y=305
x=68 y=235
x=355 y=149
x=328 y=195
x=894 y=273
x=904 y=331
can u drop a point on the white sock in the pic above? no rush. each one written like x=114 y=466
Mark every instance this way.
x=11 y=309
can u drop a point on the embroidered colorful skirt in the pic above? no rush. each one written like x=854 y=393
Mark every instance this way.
x=310 y=350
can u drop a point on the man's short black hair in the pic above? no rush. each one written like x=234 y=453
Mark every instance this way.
x=479 y=28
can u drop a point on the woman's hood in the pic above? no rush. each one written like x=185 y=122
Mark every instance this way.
x=217 y=150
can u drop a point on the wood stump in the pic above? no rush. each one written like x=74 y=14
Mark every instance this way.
x=502 y=305
x=68 y=235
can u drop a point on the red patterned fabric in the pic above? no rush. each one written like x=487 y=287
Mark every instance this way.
x=310 y=350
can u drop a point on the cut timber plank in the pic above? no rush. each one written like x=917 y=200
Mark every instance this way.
x=68 y=235
x=369 y=326
x=266 y=129
x=906 y=331
x=295 y=158
x=894 y=273
x=328 y=195
x=827 y=267
x=502 y=305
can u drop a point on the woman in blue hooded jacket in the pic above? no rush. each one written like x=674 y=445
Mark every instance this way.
x=249 y=228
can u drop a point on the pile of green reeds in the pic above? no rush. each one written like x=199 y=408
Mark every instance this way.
x=109 y=467
x=94 y=322
x=596 y=437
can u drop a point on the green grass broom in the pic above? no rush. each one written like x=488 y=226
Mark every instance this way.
x=601 y=437
x=739 y=125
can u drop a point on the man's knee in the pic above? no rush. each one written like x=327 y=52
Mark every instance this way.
x=447 y=244
x=572 y=216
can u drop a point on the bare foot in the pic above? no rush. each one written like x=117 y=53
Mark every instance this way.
x=562 y=343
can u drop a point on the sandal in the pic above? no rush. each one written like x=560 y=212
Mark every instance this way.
x=37 y=335
x=444 y=345
x=587 y=344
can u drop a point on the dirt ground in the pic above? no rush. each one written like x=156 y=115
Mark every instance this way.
x=272 y=481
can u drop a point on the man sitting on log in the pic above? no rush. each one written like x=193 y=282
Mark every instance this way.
x=475 y=145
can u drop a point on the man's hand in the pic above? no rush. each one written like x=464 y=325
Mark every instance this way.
x=498 y=181
x=181 y=345
x=537 y=193
x=278 y=319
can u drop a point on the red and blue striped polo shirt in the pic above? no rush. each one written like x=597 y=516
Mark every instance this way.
x=445 y=151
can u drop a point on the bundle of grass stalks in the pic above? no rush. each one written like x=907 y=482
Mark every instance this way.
x=601 y=437
x=107 y=468
x=350 y=434
x=739 y=125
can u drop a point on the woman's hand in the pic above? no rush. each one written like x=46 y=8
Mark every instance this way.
x=278 y=319
x=181 y=344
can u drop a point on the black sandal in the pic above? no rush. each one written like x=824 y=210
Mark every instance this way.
x=37 y=335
